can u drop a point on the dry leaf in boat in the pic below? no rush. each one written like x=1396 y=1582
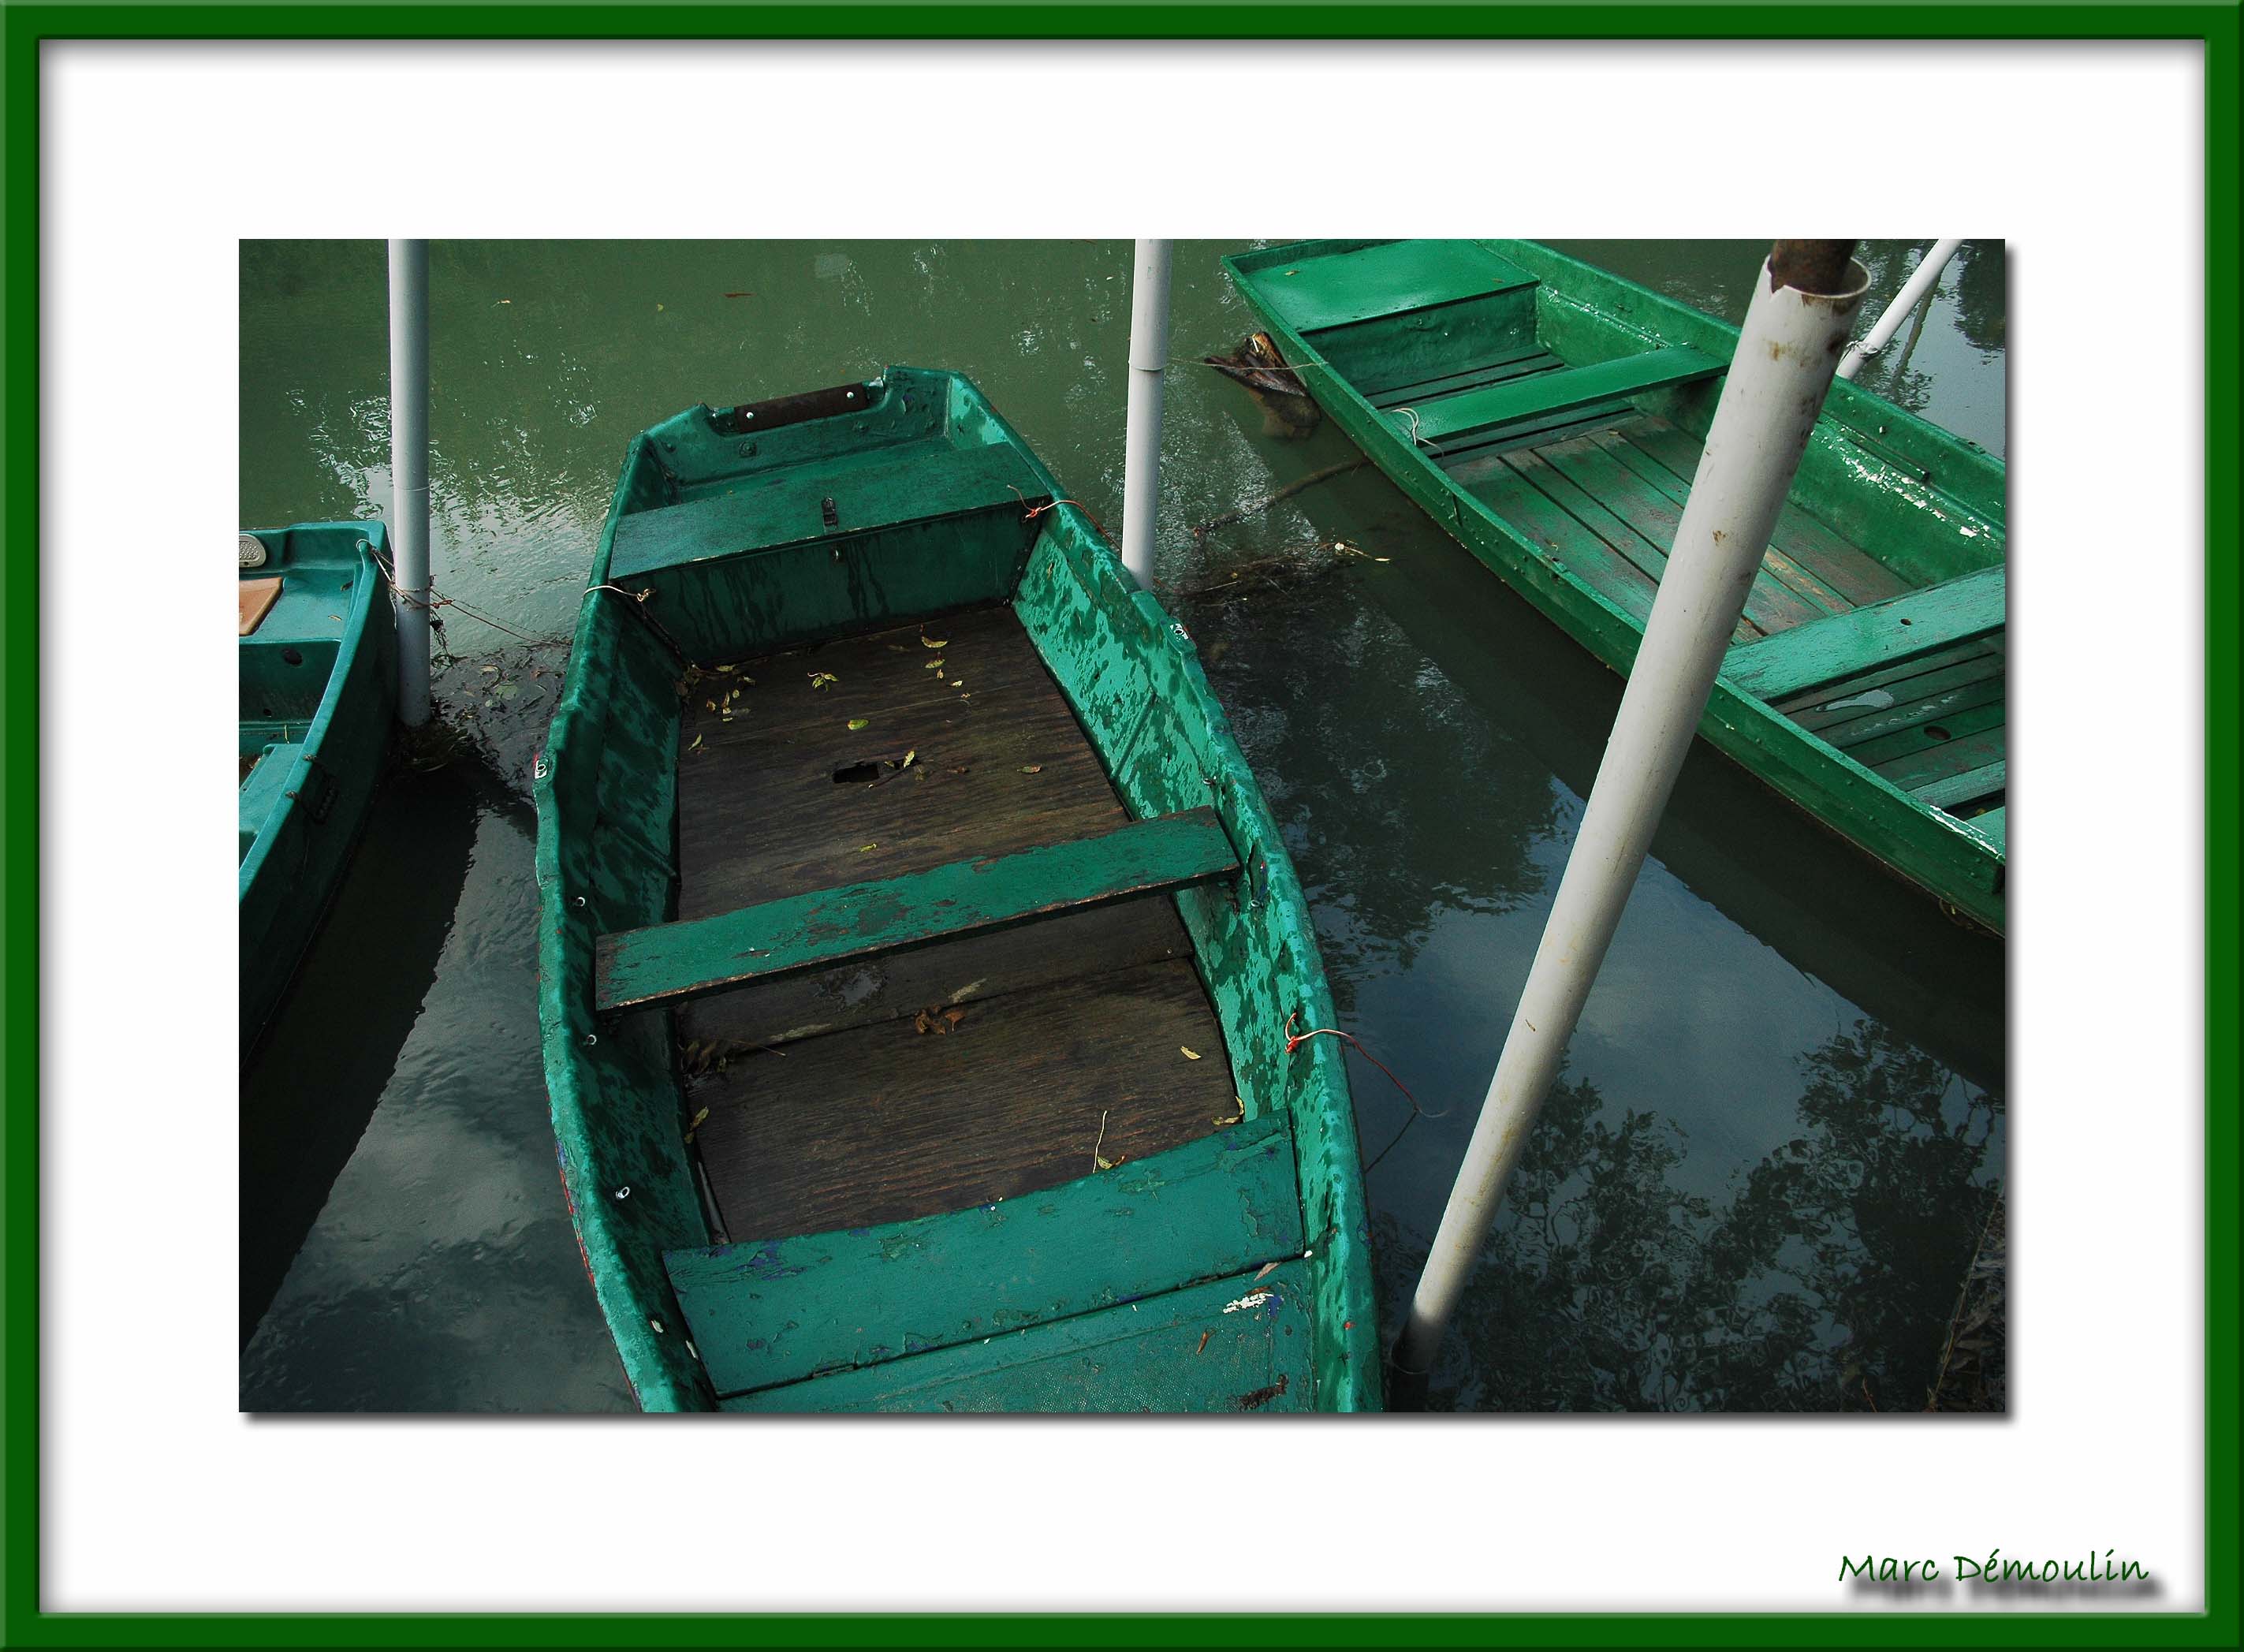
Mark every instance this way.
x=934 y=642
x=954 y=1016
x=1189 y=1054
x=708 y=705
x=909 y=755
x=1032 y=769
x=820 y=679
x=1268 y=1267
x=1108 y=1164
x=864 y=847
x=935 y=665
x=859 y=722
x=723 y=667
x=696 y=745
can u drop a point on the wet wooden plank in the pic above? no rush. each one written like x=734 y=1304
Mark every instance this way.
x=1236 y=1344
x=665 y=962
x=1836 y=648
x=766 y=1313
x=883 y=1123
x=999 y=762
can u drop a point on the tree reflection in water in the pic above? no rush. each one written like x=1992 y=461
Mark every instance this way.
x=1823 y=1283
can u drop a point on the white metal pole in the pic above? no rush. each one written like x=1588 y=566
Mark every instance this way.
x=409 y=470
x=1149 y=355
x=1775 y=387
x=1920 y=282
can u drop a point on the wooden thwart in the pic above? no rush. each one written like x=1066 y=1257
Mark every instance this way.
x=1549 y=393
x=666 y=962
x=1885 y=634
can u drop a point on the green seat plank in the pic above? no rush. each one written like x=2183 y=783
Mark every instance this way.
x=911 y=482
x=1240 y=1344
x=1550 y=393
x=665 y=962
x=1995 y=824
x=1885 y=634
x=778 y=1311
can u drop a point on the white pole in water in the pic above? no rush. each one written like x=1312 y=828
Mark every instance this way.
x=1794 y=331
x=1149 y=355
x=409 y=470
x=1920 y=282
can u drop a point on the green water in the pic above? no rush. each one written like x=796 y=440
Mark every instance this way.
x=1781 y=1120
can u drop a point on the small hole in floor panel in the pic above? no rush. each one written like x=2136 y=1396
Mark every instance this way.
x=857 y=773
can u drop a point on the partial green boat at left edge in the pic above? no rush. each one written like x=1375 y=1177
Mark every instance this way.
x=317 y=656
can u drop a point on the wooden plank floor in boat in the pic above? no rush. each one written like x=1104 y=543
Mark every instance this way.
x=854 y=1115
x=1607 y=501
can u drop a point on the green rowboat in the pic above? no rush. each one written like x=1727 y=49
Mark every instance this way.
x=318 y=653
x=921 y=968
x=1550 y=416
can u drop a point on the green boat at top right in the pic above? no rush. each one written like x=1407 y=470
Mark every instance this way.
x=1550 y=416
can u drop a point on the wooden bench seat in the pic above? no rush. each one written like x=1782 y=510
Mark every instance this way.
x=666 y=962
x=1541 y=395
x=1883 y=633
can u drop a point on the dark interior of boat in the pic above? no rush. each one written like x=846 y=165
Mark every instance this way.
x=972 y=1069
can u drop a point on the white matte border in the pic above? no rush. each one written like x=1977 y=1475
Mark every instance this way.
x=157 y=1494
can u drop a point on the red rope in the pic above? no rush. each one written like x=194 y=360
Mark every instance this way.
x=1295 y=1040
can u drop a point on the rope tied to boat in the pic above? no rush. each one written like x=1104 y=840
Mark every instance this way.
x=1035 y=510
x=436 y=599
x=1295 y=1040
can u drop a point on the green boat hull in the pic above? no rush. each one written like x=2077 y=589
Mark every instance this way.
x=764 y=571
x=1547 y=415
x=318 y=696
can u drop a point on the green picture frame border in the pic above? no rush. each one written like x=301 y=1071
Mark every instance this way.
x=24 y=29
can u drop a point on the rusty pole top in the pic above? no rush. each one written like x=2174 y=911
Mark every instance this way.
x=1810 y=266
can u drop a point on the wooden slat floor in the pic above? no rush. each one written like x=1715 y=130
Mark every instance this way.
x=1607 y=500
x=856 y=1115
x=1922 y=724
